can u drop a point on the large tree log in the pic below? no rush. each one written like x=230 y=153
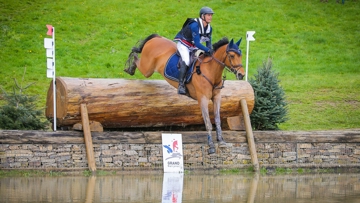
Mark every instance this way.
x=121 y=103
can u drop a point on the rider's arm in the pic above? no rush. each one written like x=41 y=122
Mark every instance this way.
x=196 y=37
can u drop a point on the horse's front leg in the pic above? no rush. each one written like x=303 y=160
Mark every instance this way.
x=204 y=103
x=217 y=104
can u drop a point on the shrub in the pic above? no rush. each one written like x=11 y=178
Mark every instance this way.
x=270 y=106
x=19 y=111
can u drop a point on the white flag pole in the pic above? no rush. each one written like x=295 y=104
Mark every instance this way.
x=49 y=45
x=247 y=59
x=54 y=78
x=249 y=37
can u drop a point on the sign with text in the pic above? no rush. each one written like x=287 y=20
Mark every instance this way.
x=173 y=159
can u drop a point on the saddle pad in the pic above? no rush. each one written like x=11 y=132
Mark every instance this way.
x=172 y=72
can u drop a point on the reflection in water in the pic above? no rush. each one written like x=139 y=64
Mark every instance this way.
x=172 y=188
x=253 y=188
x=204 y=188
x=90 y=189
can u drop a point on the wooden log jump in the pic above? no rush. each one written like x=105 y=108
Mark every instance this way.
x=123 y=103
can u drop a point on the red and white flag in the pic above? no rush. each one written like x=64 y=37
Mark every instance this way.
x=50 y=30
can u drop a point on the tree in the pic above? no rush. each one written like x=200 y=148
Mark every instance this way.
x=19 y=111
x=270 y=106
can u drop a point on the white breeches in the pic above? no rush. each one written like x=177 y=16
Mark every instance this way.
x=184 y=52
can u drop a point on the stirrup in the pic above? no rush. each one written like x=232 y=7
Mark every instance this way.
x=182 y=89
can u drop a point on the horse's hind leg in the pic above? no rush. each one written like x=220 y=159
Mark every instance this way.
x=131 y=63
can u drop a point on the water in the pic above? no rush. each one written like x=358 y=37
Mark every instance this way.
x=187 y=188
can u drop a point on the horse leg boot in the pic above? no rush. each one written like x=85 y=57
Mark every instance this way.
x=219 y=137
x=211 y=149
x=182 y=73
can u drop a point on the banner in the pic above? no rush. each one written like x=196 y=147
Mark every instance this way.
x=173 y=159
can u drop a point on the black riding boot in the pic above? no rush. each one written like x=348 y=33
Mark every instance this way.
x=183 y=69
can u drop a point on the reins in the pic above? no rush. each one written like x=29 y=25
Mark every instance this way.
x=206 y=78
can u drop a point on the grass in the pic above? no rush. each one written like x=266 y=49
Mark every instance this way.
x=314 y=46
x=30 y=173
x=98 y=173
x=235 y=171
x=42 y=173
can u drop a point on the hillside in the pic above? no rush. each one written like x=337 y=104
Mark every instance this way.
x=314 y=46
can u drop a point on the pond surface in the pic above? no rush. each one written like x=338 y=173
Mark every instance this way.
x=185 y=188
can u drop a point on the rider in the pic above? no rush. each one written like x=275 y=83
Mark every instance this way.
x=193 y=33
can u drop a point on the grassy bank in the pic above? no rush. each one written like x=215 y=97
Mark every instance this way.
x=315 y=46
x=243 y=171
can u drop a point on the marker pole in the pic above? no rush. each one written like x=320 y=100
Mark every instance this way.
x=249 y=37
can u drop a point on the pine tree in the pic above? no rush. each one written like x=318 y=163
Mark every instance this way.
x=19 y=111
x=270 y=106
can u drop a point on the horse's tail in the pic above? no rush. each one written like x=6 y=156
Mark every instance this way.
x=139 y=48
x=130 y=64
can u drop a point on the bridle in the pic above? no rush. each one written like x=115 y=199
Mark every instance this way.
x=232 y=68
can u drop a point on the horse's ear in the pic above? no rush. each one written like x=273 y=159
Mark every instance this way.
x=231 y=42
x=230 y=45
x=238 y=43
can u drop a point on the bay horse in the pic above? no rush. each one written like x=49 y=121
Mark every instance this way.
x=155 y=53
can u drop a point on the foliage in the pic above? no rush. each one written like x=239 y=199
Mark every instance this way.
x=270 y=106
x=19 y=111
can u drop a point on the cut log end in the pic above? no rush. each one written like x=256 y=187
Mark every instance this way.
x=236 y=122
x=94 y=126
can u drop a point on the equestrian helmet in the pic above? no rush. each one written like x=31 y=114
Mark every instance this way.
x=206 y=10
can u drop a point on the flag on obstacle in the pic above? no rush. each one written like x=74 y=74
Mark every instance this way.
x=50 y=30
x=250 y=35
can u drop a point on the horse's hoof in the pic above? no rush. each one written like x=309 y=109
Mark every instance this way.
x=130 y=71
x=222 y=144
x=127 y=71
x=211 y=150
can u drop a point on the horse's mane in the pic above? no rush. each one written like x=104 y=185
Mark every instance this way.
x=220 y=43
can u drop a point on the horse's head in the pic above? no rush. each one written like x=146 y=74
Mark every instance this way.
x=234 y=59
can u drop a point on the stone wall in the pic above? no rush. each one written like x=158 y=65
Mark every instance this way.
x=143 y=151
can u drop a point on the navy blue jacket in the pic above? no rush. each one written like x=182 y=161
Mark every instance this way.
x=190 y=35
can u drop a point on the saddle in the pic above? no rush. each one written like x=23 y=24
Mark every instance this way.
x=173 y=65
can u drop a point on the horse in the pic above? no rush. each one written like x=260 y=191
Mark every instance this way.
x=203 y=86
